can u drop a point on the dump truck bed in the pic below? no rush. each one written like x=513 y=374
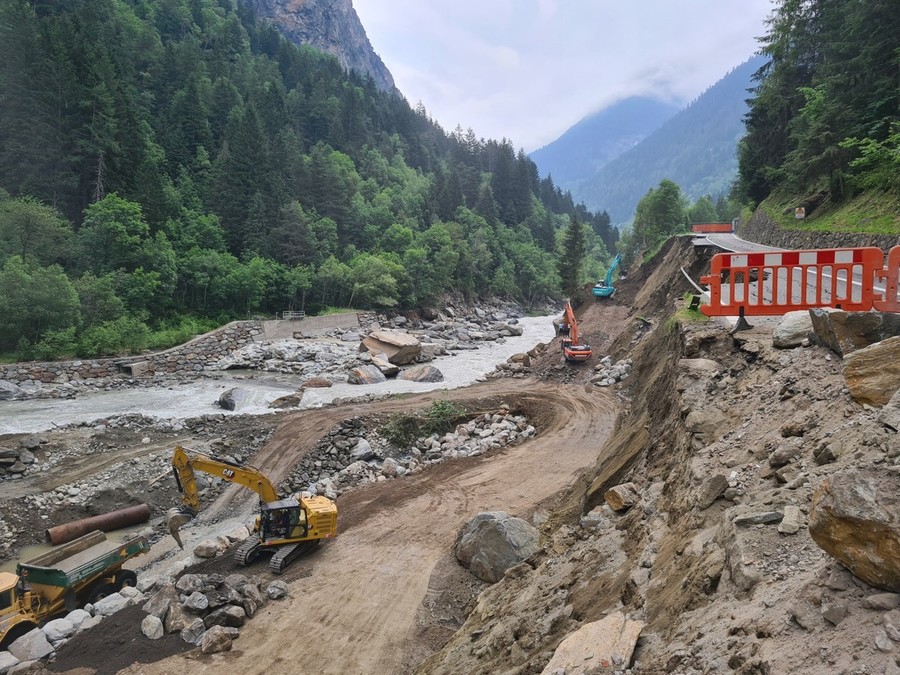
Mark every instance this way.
x=80 y=559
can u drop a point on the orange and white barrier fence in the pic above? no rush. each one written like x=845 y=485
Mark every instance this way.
x=777 y=282
x=890 y=277
x=705 y=228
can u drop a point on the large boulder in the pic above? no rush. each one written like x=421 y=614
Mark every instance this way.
x=10 y=391
x=366 y=375
x=855 y=517
x=845 y=332
x=400 y=348
x=31 y=646
x=597 y=647
x=873 y=373
x=233 y=398
x=494 y=541
x=421 y=373
x=59 y=629
x=792 y=329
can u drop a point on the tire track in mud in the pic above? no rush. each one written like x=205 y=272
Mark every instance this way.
x=359 y=594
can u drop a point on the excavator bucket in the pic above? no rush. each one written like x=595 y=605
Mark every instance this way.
x=175 y=519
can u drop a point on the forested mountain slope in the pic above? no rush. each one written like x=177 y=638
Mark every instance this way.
x=171 y=158
x=580 y=152
x=697 y=149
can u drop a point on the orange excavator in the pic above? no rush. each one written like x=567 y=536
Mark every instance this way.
x=572 y=348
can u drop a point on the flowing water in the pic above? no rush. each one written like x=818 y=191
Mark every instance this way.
x=180 y=400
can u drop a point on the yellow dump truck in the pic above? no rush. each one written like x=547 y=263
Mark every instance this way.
x=69 y=576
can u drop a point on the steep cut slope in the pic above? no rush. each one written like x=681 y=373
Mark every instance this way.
x=331 y=26
x=599 y=138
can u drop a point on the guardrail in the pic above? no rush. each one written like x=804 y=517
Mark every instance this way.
x=710 y=228
x=774 y=283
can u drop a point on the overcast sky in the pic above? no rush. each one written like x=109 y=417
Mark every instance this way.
x=528 y=70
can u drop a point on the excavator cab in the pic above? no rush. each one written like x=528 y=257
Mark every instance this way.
x=284 y=519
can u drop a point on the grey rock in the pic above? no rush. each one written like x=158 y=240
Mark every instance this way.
x=111 y=604
x=792 y=330
x=233 y=399
x=834 y=613
x=792 y=520
x=10 y=391
x=193 y=631
x=152 y=627
x=492 y=542
x=276 y=590
x=232 y=616
x=189 y=583
x=31 y=646
x=159 y=603
x=76 y=617
x=59 y=629
x=803 y=613
x=883 y=642
x=362 y=452
x=889 y=415
x=712 y=489
x=882 y=601
x=196 y=602
x=7 y=661
x=760 y=518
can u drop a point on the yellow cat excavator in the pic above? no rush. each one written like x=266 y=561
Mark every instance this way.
x=285 y=527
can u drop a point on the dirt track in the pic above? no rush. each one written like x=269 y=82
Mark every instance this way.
x=353 y=603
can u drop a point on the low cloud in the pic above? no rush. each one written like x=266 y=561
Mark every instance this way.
x=529 y=69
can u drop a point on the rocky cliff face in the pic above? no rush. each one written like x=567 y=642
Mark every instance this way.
x=331 y=26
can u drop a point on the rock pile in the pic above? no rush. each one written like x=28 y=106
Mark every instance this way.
x=207 y=610
x=15 y=462
x=41 y=643
x=608 y=373
x=520 y=365
x=352 y=454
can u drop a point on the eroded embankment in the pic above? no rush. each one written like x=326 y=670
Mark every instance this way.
x=723 y=441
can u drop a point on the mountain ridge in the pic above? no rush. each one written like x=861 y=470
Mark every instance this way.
x=331 y=26
x=599 y=138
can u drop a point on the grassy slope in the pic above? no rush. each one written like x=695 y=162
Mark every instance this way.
x=870 y=212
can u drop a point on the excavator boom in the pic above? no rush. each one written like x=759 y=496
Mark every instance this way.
x=573 y=350
x=184 y=464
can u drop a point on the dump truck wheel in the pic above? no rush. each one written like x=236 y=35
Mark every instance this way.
x=125 y=578
x=15 y=633
x=100 y=591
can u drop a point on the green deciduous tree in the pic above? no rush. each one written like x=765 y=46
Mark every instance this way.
x=33 y=300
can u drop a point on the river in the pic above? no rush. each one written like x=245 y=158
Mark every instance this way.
x=185 y=399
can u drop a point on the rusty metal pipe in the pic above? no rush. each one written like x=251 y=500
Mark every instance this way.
x=106 y=522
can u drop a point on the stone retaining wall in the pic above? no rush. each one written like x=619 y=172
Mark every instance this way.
x=192 y=356
x=763 y=230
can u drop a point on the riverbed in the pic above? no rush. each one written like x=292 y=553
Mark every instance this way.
x=187 y=399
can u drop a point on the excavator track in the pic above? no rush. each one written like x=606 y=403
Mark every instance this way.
x=247 y=552
x=285 y=555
